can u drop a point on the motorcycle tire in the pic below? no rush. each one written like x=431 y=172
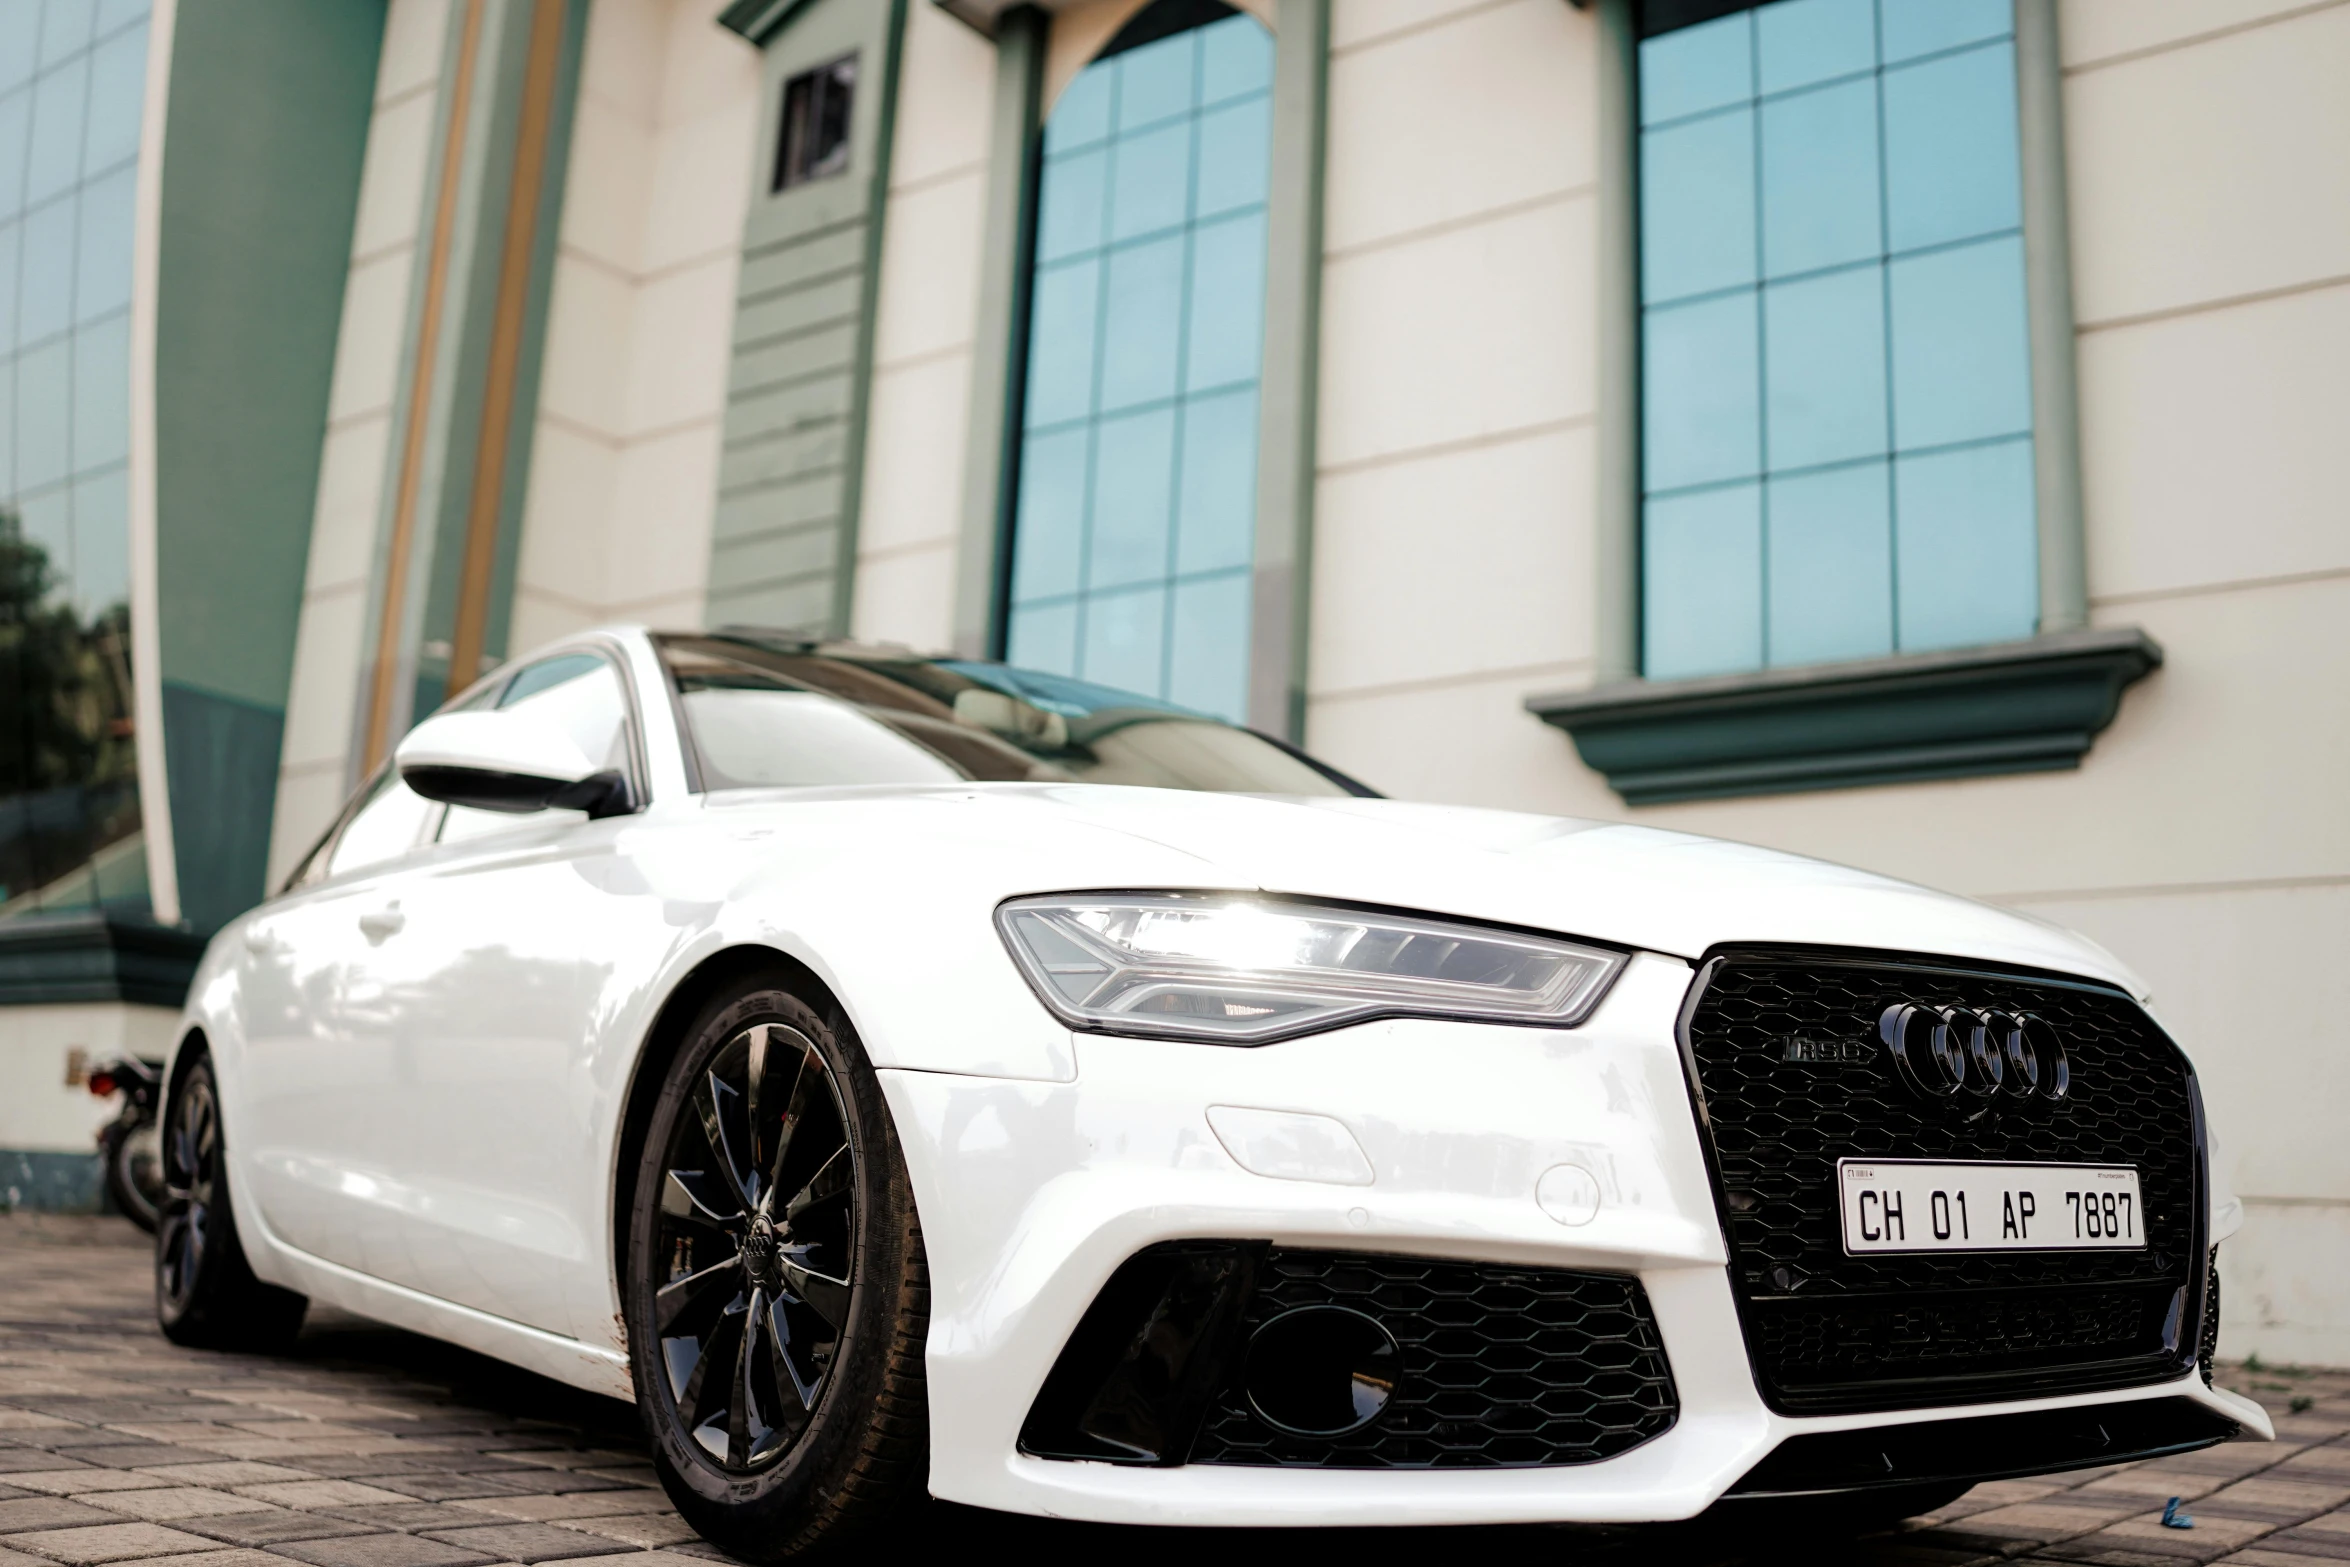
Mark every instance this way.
x=132 y=1157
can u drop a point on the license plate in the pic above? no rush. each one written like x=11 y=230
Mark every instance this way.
x=1911 y=1205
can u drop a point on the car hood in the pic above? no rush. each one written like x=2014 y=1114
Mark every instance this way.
x=1634 y=886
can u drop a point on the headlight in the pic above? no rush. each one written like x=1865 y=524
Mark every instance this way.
x=1243 y=970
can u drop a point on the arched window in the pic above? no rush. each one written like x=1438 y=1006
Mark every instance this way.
x=1136 y=514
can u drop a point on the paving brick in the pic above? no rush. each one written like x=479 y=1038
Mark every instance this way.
x=665 y=1528
x=412 y=1517
x=79 y=1482
x=47 y=1512
x=442 y=1487
x=383 y=1550
x=273 y=1527
x=319 y=1493
x=132 y=1455
x=13 y=1459
x=527 y=1542
x=224 y=1472
x=555 y=1509
x=173 y=1503
x=117 y=1542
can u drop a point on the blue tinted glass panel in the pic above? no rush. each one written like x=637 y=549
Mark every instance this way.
x=1799 y=42
x=1696 y=69
x=1218 y=493
x=1819 y=178
x=1152 y=186
x=1142 y=322
x=113 y=13
x=118 y=81
x=103 y=259
x=1133 y=491
x=1227 y=303
x=44 y=401
x=1951 y=162
x=1050 y=532
x=1697 y=206
x=1961 y=370
x=11 y=242
x=16 y=126
x=1699 y=396
x=59 y=100
x=1880 y=183
x=1125 y=640
x=65 y=26
x=1136 y=521
x=1703 y=569
x=1209 y=661
x=1044 y=637
x=1063 y=305
x=102 y=541
x=1071 y=208
x=1967 y=547
x=48 y=522
x=102 y=393
x=1236 y=57
x=1831 y=565
x=1157 y=81
x=1081 y=116
x=1915 y=27
x=7 y=428
x=45 y=276
x=1825 y=368
x=1232 y=165
x=20 y=42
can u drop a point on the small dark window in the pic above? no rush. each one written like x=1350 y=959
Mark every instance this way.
x=813 y=143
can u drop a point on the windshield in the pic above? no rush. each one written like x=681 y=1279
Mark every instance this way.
x=765 y=714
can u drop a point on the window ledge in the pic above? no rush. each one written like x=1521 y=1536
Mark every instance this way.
x=48 y=959
x=2019 y=707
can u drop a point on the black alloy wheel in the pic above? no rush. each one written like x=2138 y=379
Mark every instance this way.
x=776 y=1300
x=205 y=1293
x=758 y=1230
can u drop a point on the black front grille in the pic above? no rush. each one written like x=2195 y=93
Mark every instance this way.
x=1501 y=1366
x=1831 y=1332
x=2207 y=1348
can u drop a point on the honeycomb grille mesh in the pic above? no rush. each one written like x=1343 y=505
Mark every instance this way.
x=2207 y=1347
x=1832 y=1332
x=1501 y=1366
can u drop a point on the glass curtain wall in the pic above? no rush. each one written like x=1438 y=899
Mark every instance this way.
x=1136 y=518
x=72 y=80
x=1837 y=406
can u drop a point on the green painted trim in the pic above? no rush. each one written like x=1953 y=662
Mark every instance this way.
x=783 y=546
x=759 y=20
x=852 y=499
x=2048 y=303
x=1615 y=618
x=2031 y=706
x=457 y=443
x=45 y=1181
x=999 y=348
x=1289 y=394
x=264 y=134
x=49 y=960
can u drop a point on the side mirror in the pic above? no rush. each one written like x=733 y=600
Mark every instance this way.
x=509 y=761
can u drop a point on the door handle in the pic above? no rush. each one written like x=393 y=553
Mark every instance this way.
x=382 y=922
x=262 y=944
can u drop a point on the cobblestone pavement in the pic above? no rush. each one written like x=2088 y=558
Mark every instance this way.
x=369 y=1447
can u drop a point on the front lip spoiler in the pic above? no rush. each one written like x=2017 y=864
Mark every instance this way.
x=1985 y=1447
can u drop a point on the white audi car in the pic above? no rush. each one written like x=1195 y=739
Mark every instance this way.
x=906 y=1075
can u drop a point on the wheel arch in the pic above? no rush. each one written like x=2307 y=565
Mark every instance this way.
x=684 y=1003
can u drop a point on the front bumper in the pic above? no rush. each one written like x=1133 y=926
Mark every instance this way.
x=1032 y=1194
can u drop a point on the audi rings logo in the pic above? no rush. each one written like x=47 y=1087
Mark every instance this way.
x=1942 y=1052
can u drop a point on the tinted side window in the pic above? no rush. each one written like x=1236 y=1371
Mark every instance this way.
x=385 y=827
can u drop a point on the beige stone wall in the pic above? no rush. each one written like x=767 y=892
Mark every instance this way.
x=42 y=1108
x=2206 y=839
x=911 y=514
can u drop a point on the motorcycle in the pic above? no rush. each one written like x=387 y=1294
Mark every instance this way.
x=130 y=1147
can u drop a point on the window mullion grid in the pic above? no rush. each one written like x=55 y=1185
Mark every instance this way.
x=1885 y=307
x=1762 y=360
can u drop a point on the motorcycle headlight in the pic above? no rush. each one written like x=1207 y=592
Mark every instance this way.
x=1237 y=969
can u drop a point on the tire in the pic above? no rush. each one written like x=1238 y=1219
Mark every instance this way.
x=773 y=1241
x=206 y=1296
x=133 y=1159
x=1844 y=1512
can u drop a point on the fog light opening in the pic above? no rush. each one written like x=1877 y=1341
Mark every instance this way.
x=1321 y=1371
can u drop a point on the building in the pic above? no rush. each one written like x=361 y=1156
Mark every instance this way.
x=1901 y=431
